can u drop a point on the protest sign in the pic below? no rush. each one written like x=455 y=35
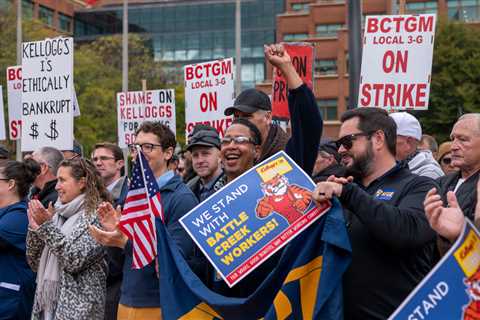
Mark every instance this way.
x=2 y=117
x=303 y=56
x=209 y=90
x=47 y=94
x=397 y=62
x=247 y=221
x=14 y=91
x=14 y=96
x=135 y=107
x=452 y=289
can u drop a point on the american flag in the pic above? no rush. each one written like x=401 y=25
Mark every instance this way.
x=142 y=205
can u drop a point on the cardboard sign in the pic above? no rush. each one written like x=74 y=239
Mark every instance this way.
x=2 y=117
x=135 y=107
x=47 y=94
x=247 y=221
x=452 y=289
x=14 y=96
x=209 y=90
x=397 y=62
x=303 y=57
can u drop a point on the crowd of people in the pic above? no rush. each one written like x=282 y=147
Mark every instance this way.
x=405 y=199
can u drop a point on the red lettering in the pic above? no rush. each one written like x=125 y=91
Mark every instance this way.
x=426 y=24
x=388 y=96
x=421 y=93
x=372 y=25
x=188 y=73
x=377 y=87
x=399 y=62
x=366 y=97
x=384 y=28
x=411 y=24
x=226 y=66
x=407 y=94
x=15 y=128
x=208 y=102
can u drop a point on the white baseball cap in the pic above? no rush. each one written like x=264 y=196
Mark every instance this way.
x=407 y=125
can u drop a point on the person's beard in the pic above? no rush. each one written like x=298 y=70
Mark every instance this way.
x=362 y=164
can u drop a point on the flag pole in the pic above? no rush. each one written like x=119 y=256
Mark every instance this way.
x=18 y=142
x=125 y=66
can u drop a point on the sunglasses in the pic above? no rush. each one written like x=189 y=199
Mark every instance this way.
x=237 y=140
x=446 y=161
x=347 y=141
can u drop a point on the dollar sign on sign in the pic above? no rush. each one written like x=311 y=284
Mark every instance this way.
x=34 y=132
x=53 y=131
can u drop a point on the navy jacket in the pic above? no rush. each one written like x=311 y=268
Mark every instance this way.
x=140 y=288
x=393 y=246
x=17 y=281
x=307 y=126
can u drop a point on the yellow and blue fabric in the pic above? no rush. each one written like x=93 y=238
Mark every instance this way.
x=305 y=284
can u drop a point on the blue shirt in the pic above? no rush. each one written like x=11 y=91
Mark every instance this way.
x=140 y=288
x=17 y=281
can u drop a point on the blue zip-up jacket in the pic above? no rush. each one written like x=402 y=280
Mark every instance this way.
x=17 y=281
x=140 y=288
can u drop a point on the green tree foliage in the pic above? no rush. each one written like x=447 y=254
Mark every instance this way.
x=455 y=84
x=97 y=77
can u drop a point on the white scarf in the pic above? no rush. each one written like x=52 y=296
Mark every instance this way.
x=48 y=275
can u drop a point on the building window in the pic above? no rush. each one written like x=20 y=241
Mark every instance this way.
x=325 y=66
x=294 y=36
x=300 y=6
x=464 y=10
x=46 y=15
x=27 y=9
x=328 y=108
x=328 y=30
x=64 y=22
x=422 y=7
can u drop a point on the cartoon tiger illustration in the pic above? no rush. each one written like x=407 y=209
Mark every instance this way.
x=289 y=201
x=472 y=310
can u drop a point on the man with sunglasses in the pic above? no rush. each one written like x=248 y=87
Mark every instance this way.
x=204 y=145
x=140 y=293
x=393 y=246
x=409 y=134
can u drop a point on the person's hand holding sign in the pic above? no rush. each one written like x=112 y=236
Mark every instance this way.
x=325 y=191
x=110 y=236
x=279 y=58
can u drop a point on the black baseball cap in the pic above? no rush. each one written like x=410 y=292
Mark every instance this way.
x=330 y=148
x=249 y=101
x=4 y=153
x=205 y=136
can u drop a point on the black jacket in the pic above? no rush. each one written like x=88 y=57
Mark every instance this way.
x=334 y=169
x=47 y=194
x=393 y=246
x=466 y=193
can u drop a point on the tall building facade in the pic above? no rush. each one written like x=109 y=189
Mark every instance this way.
x=185 y=32
x=324 y=23
x=55 y=14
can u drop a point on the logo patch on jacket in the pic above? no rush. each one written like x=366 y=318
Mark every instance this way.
x=386 y=194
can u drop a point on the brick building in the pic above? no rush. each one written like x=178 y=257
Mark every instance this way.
x=55 y=14
x=324 y=23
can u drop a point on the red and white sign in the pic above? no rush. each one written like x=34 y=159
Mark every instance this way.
x=209 y=90
x=397 y=62
x=135 y=107
x=302 y=55
x=14 y=96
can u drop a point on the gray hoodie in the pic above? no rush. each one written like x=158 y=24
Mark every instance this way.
x=425 y=165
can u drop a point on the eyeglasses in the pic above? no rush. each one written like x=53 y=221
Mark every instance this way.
x=237 y=140
x=347 y=141
x=102 y=158
x=4 y=179
x=446 y=161
x=145 y=147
